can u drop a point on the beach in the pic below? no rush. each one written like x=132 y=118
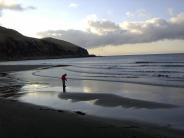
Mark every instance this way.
x=19 y=119
x=91 y=69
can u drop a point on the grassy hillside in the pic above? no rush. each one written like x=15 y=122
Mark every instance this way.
x=15 y=46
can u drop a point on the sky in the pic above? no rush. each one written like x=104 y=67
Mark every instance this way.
x=104 y=27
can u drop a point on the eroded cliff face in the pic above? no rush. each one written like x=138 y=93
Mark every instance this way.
x=15 y=46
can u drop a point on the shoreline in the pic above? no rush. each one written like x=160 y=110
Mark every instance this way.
x=26 y=120
x=15 y=68
x=45 y=58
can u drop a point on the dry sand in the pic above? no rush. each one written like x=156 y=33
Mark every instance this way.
x=29 y=121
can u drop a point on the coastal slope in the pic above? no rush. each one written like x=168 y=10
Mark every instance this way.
x=15 y=46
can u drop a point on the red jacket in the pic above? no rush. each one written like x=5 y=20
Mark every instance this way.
x=63 y=77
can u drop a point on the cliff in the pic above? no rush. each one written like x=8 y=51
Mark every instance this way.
x=15 y=46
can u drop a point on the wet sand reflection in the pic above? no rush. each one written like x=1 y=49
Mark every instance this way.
x=111 y=100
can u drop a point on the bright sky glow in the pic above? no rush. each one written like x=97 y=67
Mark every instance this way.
x=104 y=27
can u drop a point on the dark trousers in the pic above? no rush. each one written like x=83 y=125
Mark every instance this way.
x=64 y=86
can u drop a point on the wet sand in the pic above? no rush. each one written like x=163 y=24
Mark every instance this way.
x=9 y=68
x=111 y=100
x=26 y=120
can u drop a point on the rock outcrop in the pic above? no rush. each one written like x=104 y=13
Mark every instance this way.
x=15 y=46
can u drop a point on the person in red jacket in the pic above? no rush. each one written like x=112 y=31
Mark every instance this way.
x=64 y=79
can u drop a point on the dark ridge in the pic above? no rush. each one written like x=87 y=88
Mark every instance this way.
x=15 y=46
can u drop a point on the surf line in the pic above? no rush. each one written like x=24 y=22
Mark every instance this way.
x=36 y=73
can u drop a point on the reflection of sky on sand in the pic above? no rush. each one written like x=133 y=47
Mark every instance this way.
x=169 y=95
x=45 y=90
x=31 y=87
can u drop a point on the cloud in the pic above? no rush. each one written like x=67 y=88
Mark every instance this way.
x=102 y=27
x=30 y=8
x=171 y=11
x=141 y=13
x=73 y=5
x=103 y=33
x=7 y=5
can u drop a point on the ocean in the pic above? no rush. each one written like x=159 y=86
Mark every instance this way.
x=142 y=88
